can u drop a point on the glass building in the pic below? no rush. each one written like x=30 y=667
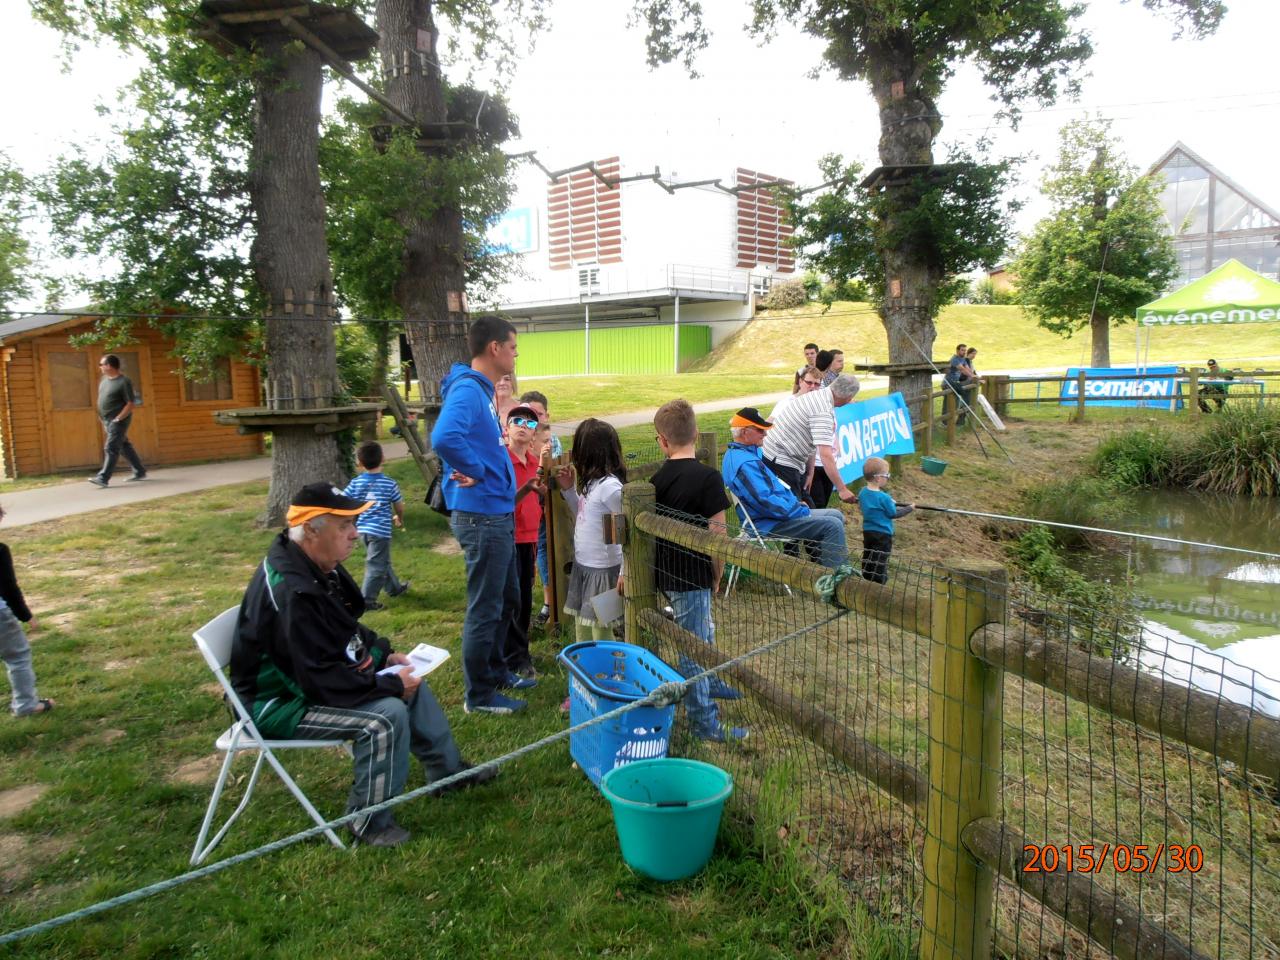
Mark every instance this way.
x=1213 y=219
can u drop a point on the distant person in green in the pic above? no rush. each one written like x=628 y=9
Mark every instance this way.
x=1215 y=393
x=116 y=400
x=878 y=513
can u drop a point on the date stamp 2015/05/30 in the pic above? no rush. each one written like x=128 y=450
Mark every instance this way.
x=1122 y=857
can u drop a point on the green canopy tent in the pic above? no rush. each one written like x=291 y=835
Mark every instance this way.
x=1229 y=294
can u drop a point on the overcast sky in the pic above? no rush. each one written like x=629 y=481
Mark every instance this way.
x=585 y=93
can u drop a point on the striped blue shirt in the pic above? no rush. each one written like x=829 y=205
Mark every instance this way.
x=376 y=521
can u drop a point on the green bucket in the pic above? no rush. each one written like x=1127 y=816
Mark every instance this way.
x=933 y=466
x=667 y=812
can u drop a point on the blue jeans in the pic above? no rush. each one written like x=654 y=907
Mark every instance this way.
x=488 y=544
x=117 y=443
x=693 y=612
x=15 y=651
x=823 y=528
x=544 y=572
x=377 y=568
x=383 y=734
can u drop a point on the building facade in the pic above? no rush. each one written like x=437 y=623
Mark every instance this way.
x=1213 y=219
x=600 y=249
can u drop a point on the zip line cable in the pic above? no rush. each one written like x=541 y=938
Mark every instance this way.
x=1116 y=533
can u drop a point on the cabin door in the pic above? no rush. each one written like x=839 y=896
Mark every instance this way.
x=73 y=431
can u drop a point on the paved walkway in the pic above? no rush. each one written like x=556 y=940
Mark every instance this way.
x=79 y=496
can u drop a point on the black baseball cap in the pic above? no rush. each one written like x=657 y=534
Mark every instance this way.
x=316 y=499
x=749 y=417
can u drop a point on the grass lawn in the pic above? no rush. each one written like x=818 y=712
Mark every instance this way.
x=527 y=866
x=573 y=398
x=1005 y=337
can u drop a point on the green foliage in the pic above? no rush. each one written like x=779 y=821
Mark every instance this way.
x=1096 y=616
x=1086 y=501
x=985 y=292
x=15 y=249
x=786 y=295
x=1237 y=452
x=1104 y=249
x=1139 y=458
x=953 y=223
x=1234 y=452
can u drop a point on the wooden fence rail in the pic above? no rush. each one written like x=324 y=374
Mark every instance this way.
x=962 y=613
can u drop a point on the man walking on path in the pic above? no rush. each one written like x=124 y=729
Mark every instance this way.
x=479 y=487
x=115 y=408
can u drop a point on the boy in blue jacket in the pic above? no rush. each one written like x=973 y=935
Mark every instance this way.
x=479 y=487
x=878 y=513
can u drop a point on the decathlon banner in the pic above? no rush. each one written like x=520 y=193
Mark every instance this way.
x=1157 y=384
x=871 y=428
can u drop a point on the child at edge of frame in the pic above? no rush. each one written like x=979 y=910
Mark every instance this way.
x=878 y=513
x=693 y=492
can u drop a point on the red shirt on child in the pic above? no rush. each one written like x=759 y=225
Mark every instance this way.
x=528 y=510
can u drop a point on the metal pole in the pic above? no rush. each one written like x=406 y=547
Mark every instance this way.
x=586 y=337
x=676 y=366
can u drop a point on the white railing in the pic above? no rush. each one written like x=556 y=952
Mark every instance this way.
x=616 y=280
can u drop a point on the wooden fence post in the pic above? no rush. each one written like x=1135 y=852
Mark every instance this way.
x=709 y=449
x=950 y=411
x=1082 y=379
x=559 y=543
x=638 y=555
x=1002 y=391
x=928 y=425
x=965 y=728
x=1193 y=389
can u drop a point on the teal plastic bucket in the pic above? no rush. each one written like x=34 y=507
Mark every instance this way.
x=933 y=466
x=667 y=812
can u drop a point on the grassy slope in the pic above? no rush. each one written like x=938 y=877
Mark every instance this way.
x=1005 y=339
x=528 y=866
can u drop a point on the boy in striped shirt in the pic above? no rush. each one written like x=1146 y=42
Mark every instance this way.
x=374 y=525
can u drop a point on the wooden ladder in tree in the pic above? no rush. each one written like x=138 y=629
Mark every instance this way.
x=427 y=462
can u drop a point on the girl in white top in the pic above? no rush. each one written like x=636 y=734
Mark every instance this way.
x=597 y=566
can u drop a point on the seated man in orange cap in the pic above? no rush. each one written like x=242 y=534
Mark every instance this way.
x=772 y=505
x=306 y=668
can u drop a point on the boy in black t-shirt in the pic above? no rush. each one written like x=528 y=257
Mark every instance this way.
x=689 y=491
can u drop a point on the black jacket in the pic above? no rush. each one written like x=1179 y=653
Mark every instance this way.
x=299 y=643
x=10 y=592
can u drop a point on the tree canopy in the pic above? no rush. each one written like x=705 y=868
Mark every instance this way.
x=15 y=248
x=1104 y=250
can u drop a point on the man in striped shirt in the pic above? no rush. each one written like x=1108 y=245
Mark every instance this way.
x=374 y=525
x=803 y=436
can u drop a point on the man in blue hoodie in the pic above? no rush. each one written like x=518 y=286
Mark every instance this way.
x=770 y=503
x=479 y=487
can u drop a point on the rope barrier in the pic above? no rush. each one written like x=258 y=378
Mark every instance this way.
x=662 y=696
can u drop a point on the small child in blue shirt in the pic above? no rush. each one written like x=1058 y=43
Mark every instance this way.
x=374 y=525
x=878 y=513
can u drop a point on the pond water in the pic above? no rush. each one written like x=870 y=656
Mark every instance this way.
x=1211 y=618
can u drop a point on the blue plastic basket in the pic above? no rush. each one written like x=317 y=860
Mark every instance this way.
x=603 y=675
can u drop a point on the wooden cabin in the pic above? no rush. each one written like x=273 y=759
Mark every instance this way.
x=49 y=392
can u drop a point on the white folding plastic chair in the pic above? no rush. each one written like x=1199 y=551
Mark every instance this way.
x=214 y=641
x=750 y=533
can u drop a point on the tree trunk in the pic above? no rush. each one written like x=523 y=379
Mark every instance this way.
x=908 y=126
x=1099 y=326
x=291 y=261
x=1100 y=331
x=381 y=334
x=432 y=282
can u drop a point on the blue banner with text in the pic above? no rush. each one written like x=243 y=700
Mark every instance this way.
x=879 y=427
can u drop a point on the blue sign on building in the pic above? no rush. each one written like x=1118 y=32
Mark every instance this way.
x=1157 y=389
x=516 y=231
x=879 y=427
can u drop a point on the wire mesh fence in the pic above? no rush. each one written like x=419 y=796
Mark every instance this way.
x=985 y=768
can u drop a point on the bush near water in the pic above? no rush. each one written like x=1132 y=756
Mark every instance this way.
x=1236 y=452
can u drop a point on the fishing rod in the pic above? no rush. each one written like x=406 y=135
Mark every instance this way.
x=959 y=394
x=1116 y=533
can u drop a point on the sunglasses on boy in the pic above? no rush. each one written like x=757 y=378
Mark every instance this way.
x=522 y=422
